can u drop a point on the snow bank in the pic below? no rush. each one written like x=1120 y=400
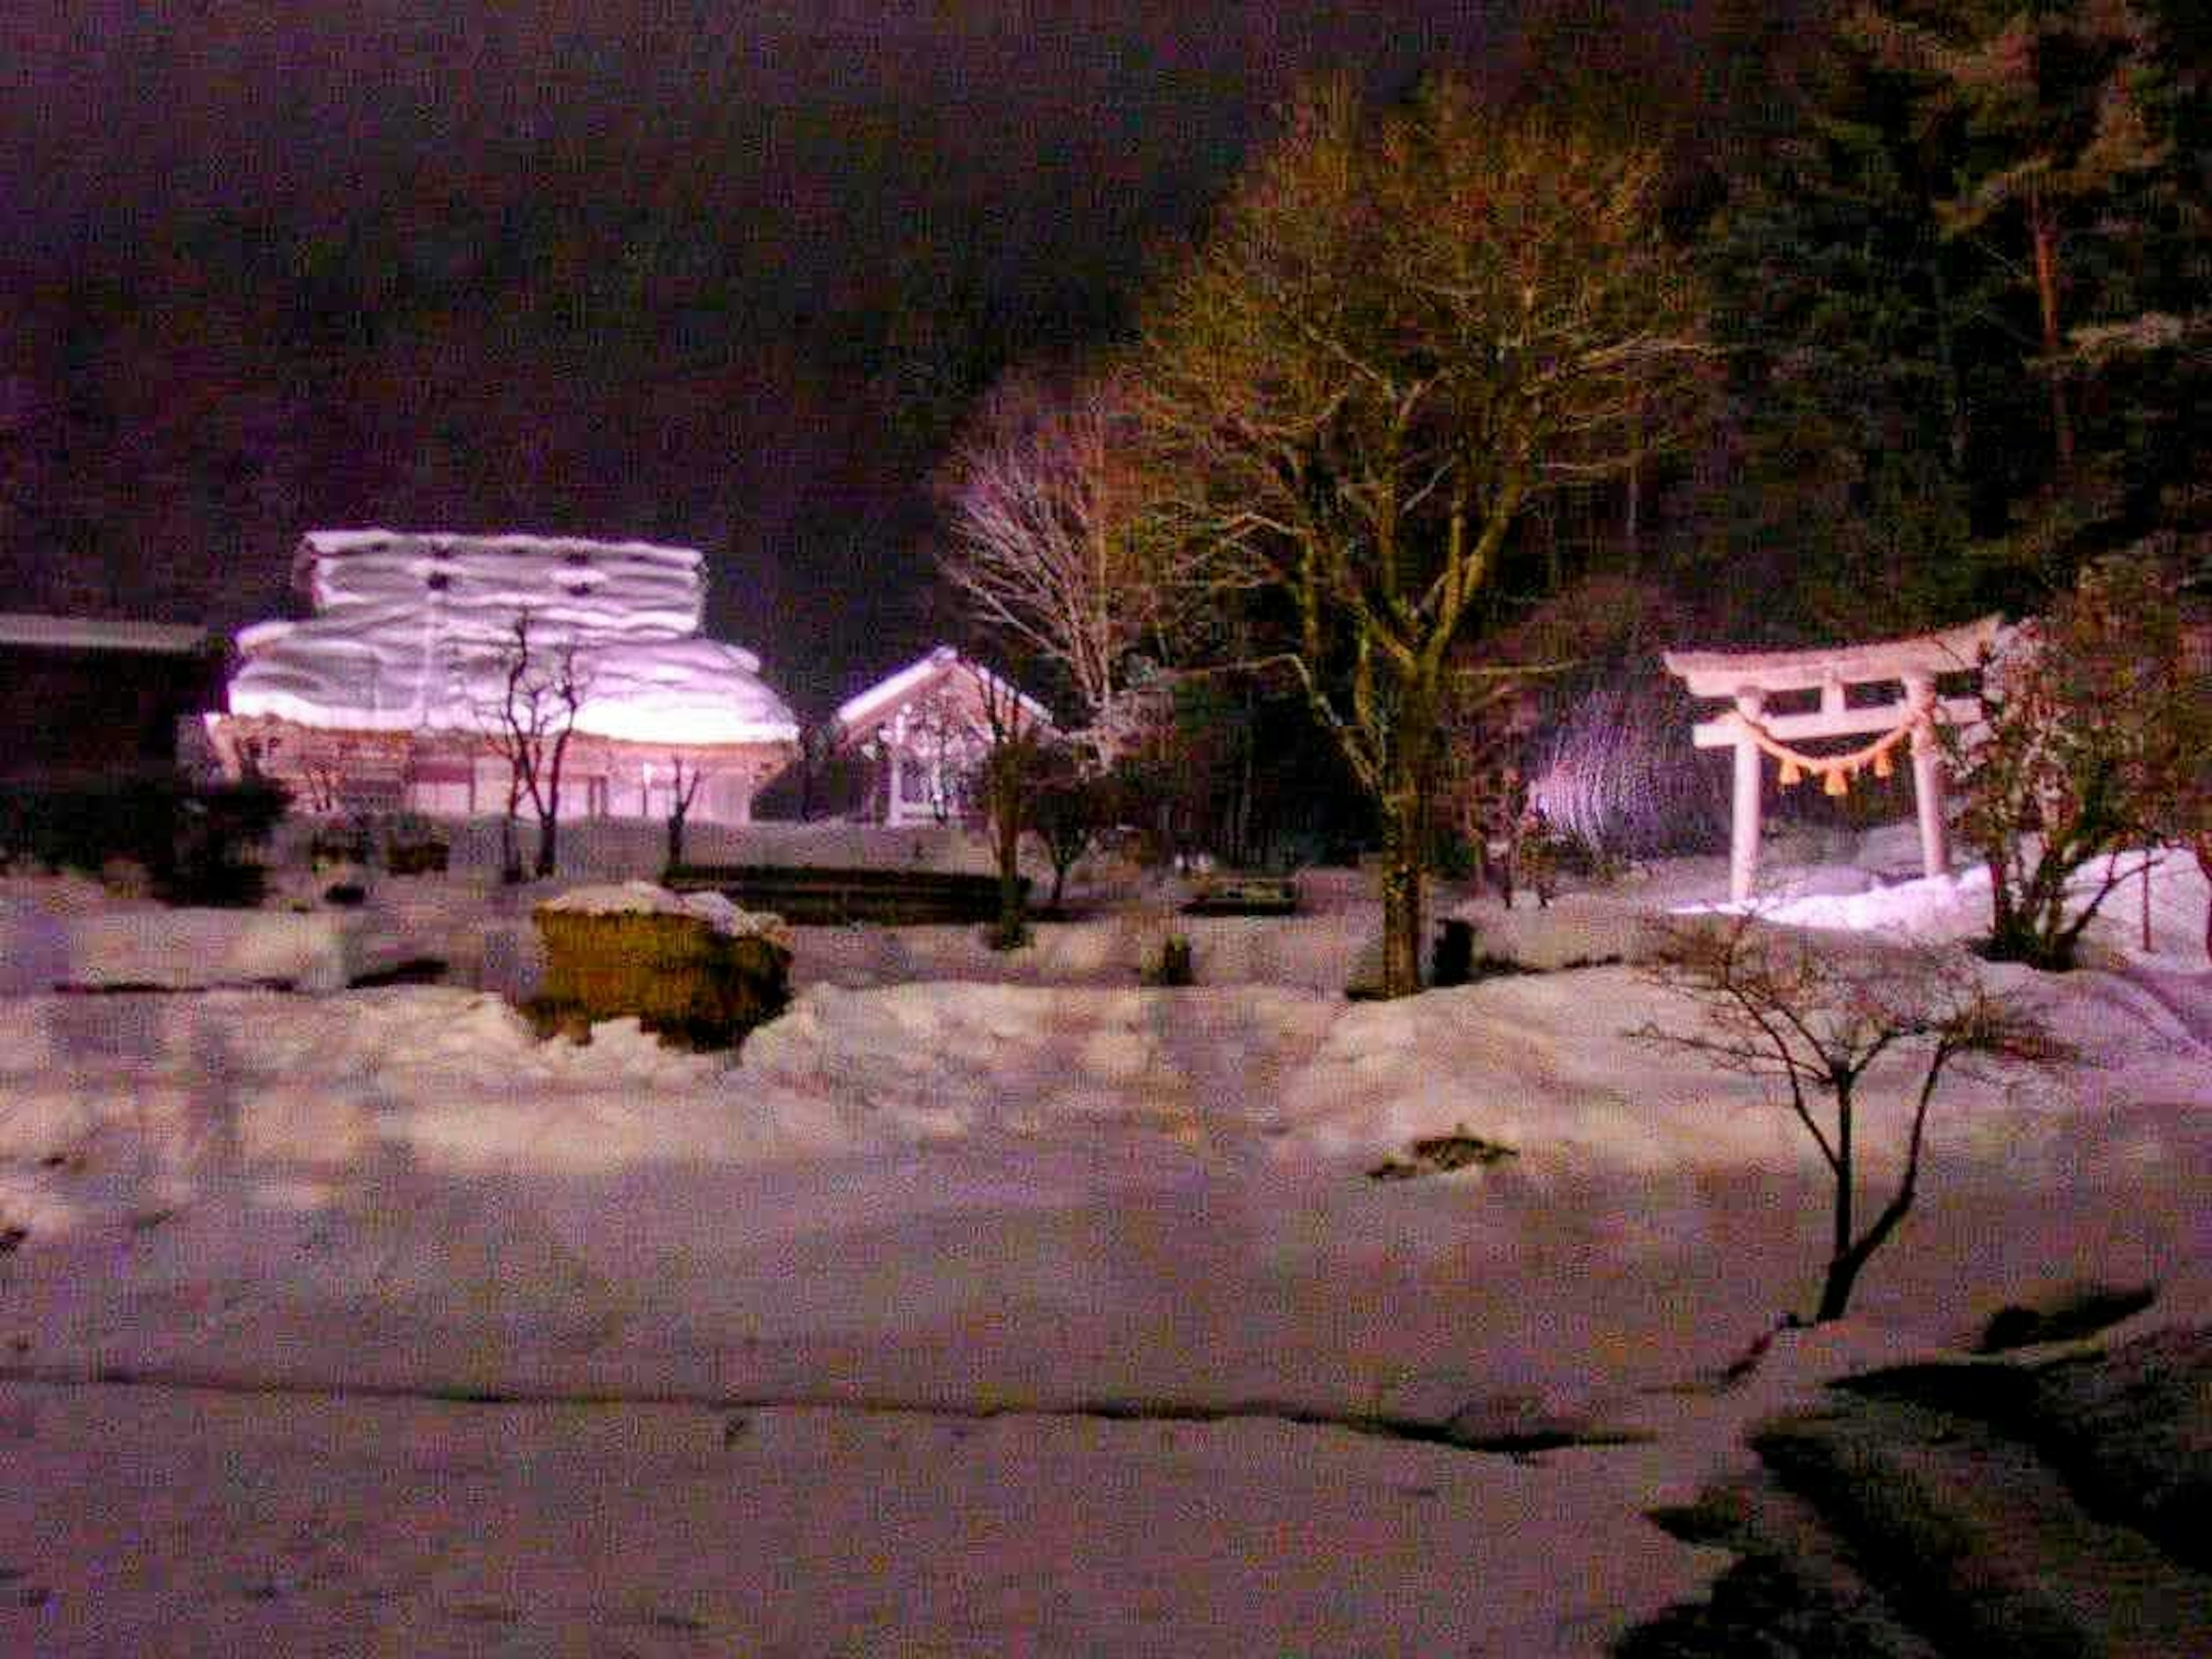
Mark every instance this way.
x=1000 y=1199
x=235 y=1081
x=1958 y=907
x=959 y=1060
x=111 y=945
x=1313 y=952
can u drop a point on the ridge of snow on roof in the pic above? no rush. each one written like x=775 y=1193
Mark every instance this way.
x=102 y=633
x=411 y=628
x=855 y=712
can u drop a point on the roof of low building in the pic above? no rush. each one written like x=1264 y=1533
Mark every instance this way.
x=859 y=712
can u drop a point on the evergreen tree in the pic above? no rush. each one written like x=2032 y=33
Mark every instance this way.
x=2048 y=112
x=2059 y=126
x=1960 y=284
x=1842 y=308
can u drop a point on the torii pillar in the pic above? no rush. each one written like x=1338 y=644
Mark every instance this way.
x=1928 y=774
x=1746 y=819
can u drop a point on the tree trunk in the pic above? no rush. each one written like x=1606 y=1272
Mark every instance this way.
x=1835 y=1289
x=549 y=804
x=1401 y=896
x=1632 y=516
x=510 y=847
x=1844 y=1266
x=1954 y=400
x=1012 y=927
x=549 y=830
x=1846 y=1183
x=2011 y=936
x=2045 y=229
x=1010 y=932
x=1241 y=811
x=1851 y=1254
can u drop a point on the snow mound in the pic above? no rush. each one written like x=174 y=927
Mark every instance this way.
x=1930 y=907
x=1958 y=906
x=456 y=1078
x=940 y=1061
x=118 y=945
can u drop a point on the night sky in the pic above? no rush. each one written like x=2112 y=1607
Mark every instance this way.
x=717 y=273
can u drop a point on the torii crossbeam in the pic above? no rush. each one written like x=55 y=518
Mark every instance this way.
x=1751 y=677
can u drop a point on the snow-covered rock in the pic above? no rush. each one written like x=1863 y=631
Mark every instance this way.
x=648 y=898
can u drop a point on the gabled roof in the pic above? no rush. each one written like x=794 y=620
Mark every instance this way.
x=861 y=713
x=104 y=634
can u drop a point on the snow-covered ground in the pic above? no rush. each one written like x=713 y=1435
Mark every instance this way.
x=983 y=1304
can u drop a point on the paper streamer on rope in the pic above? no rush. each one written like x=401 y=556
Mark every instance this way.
x=1835 y=771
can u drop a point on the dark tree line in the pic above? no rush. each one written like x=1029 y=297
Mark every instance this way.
x=1962 y=280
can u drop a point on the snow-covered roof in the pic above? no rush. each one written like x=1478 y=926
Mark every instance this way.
x=409 y=629
x=102 y=633
x=858 y=713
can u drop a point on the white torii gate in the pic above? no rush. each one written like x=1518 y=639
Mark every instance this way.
x=1751 y=677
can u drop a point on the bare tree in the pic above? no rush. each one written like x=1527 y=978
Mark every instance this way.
x=539 y=686
x=1399 y=335
x=1048 y=556
x=683 y=789
x=322 y=772
x=1006 y=776
x=1814 y=1018
x=1068 y=807
x=936 y=733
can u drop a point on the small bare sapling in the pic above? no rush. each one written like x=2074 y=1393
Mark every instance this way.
x=1811 y=1018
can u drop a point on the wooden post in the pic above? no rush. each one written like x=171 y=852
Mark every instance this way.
x=1744 y=825
x=1928 y=776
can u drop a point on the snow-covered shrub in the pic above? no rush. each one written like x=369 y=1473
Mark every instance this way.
x=217 y=833
x=84 y=828
x=2096 y=722
x=412 y=846
x=1069 y=806
x=340 y=846
x=693 y=968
